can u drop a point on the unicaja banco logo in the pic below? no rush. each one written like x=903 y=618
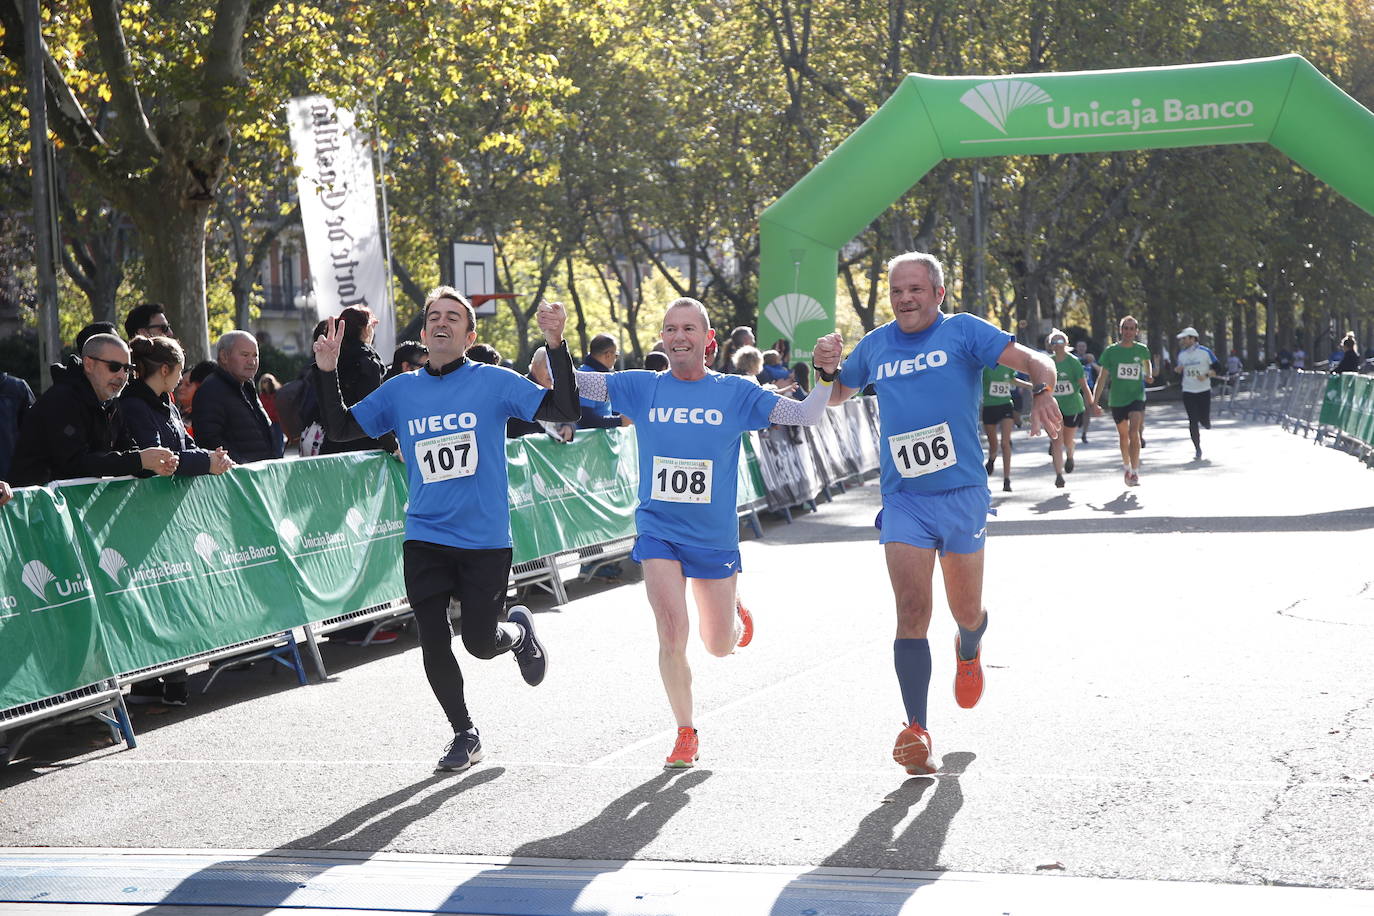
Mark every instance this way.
x=205 y=547
x=788 y=311
x=36 y=577
x=994 y=101
x=112 y=561
x=288 y=531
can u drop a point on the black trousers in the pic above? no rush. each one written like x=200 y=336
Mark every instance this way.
x=1199 y=407
x=434 y=573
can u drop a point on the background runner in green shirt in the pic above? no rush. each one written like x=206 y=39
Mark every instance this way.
x=998 y=384
x=1126 y=370
x=1070 y=389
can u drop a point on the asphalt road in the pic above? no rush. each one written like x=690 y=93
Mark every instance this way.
x=1178 y=689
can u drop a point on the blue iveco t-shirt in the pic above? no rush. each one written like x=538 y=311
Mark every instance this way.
x=689 y=443
x=929 y=386
x=452 y=432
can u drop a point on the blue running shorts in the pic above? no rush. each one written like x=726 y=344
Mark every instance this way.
x=697 y=562
x=950 y=521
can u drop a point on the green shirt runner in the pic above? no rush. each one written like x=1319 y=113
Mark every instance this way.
x=1126 y=365
x=1068 y=393
x=998 y=385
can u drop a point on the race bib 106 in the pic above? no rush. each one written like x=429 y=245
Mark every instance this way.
x=681 y=480
x=999 y=389
x=1063 y=388
x=923 y=451
x=446 y=457
x=1128 y=371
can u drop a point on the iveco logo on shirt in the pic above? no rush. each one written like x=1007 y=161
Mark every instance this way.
x=696 y=415
x=932 y=360
x=440 y=422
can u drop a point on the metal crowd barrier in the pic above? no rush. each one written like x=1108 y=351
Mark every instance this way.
x=797 y=466
x=1295 y=399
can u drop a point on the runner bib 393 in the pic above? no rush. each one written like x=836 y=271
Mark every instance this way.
x=1128 y=371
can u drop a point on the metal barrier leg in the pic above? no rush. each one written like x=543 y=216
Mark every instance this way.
x=121 y=728
x=313 y=645
x=752 y=519
x=559 y=592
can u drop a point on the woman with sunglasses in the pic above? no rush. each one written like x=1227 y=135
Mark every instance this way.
x=151 y=415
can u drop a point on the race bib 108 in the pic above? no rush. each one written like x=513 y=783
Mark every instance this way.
x=681 y=480
x=923 y=451
x=446 y=457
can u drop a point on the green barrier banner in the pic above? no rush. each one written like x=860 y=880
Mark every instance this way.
x=339 y=523
x=1331 y=402
x=1283 y=101
x=1362 y=409
x=50 y=640
x=583 y=490
x=181 y=565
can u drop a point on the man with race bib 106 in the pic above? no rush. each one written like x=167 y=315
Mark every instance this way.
x=689 y=422
x=1126 y=370
x=450 y=420
x=926 y=367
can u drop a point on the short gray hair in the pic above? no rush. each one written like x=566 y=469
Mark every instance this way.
x=96 y=344
x=689 y=302
x=932 y=263
x=226 y=343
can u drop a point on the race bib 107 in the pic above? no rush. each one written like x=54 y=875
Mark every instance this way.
x=446 y=457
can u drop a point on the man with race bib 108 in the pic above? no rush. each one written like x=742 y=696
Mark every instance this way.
x=450 y=420
x=926 y=367
x=1126 y=370
x=689 y=422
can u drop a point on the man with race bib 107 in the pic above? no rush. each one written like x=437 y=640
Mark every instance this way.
x=449 y=418
x=926 y=367
x=689 y=422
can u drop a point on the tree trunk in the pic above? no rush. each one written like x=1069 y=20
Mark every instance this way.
x=172 y=233
x=1238 y=329
x=1252 y=338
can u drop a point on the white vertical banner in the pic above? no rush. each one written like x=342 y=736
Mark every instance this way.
x=339 y=213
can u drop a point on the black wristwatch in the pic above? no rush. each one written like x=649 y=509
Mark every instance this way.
x=1039 y=389
x=826 y=376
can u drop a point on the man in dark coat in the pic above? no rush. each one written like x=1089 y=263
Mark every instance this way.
x=227 y=410
x=75 y=429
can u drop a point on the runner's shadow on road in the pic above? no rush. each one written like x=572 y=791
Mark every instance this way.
x=1054 y=504
x=261 y=885
x=1124 y=503
x=878 y=844
x=619 y=832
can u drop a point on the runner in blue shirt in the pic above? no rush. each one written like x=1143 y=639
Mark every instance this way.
x=927 y=369
x=450 y=421
x=688 y=422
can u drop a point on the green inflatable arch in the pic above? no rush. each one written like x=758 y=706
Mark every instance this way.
x=1283 y=101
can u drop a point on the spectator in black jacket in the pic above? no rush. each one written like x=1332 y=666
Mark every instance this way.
x=76 y=430
x=360 y=372
x=228 y=412
x=152 y=417
x=602 y=353
x=16 y=397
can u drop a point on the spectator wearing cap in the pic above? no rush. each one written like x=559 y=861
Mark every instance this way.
x=228 y=412
x=147 y=320
x=75 y=429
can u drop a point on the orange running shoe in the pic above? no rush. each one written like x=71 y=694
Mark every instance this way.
x=684 y=751
x=913 y=751
x=968 y=677
x=746 y=621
